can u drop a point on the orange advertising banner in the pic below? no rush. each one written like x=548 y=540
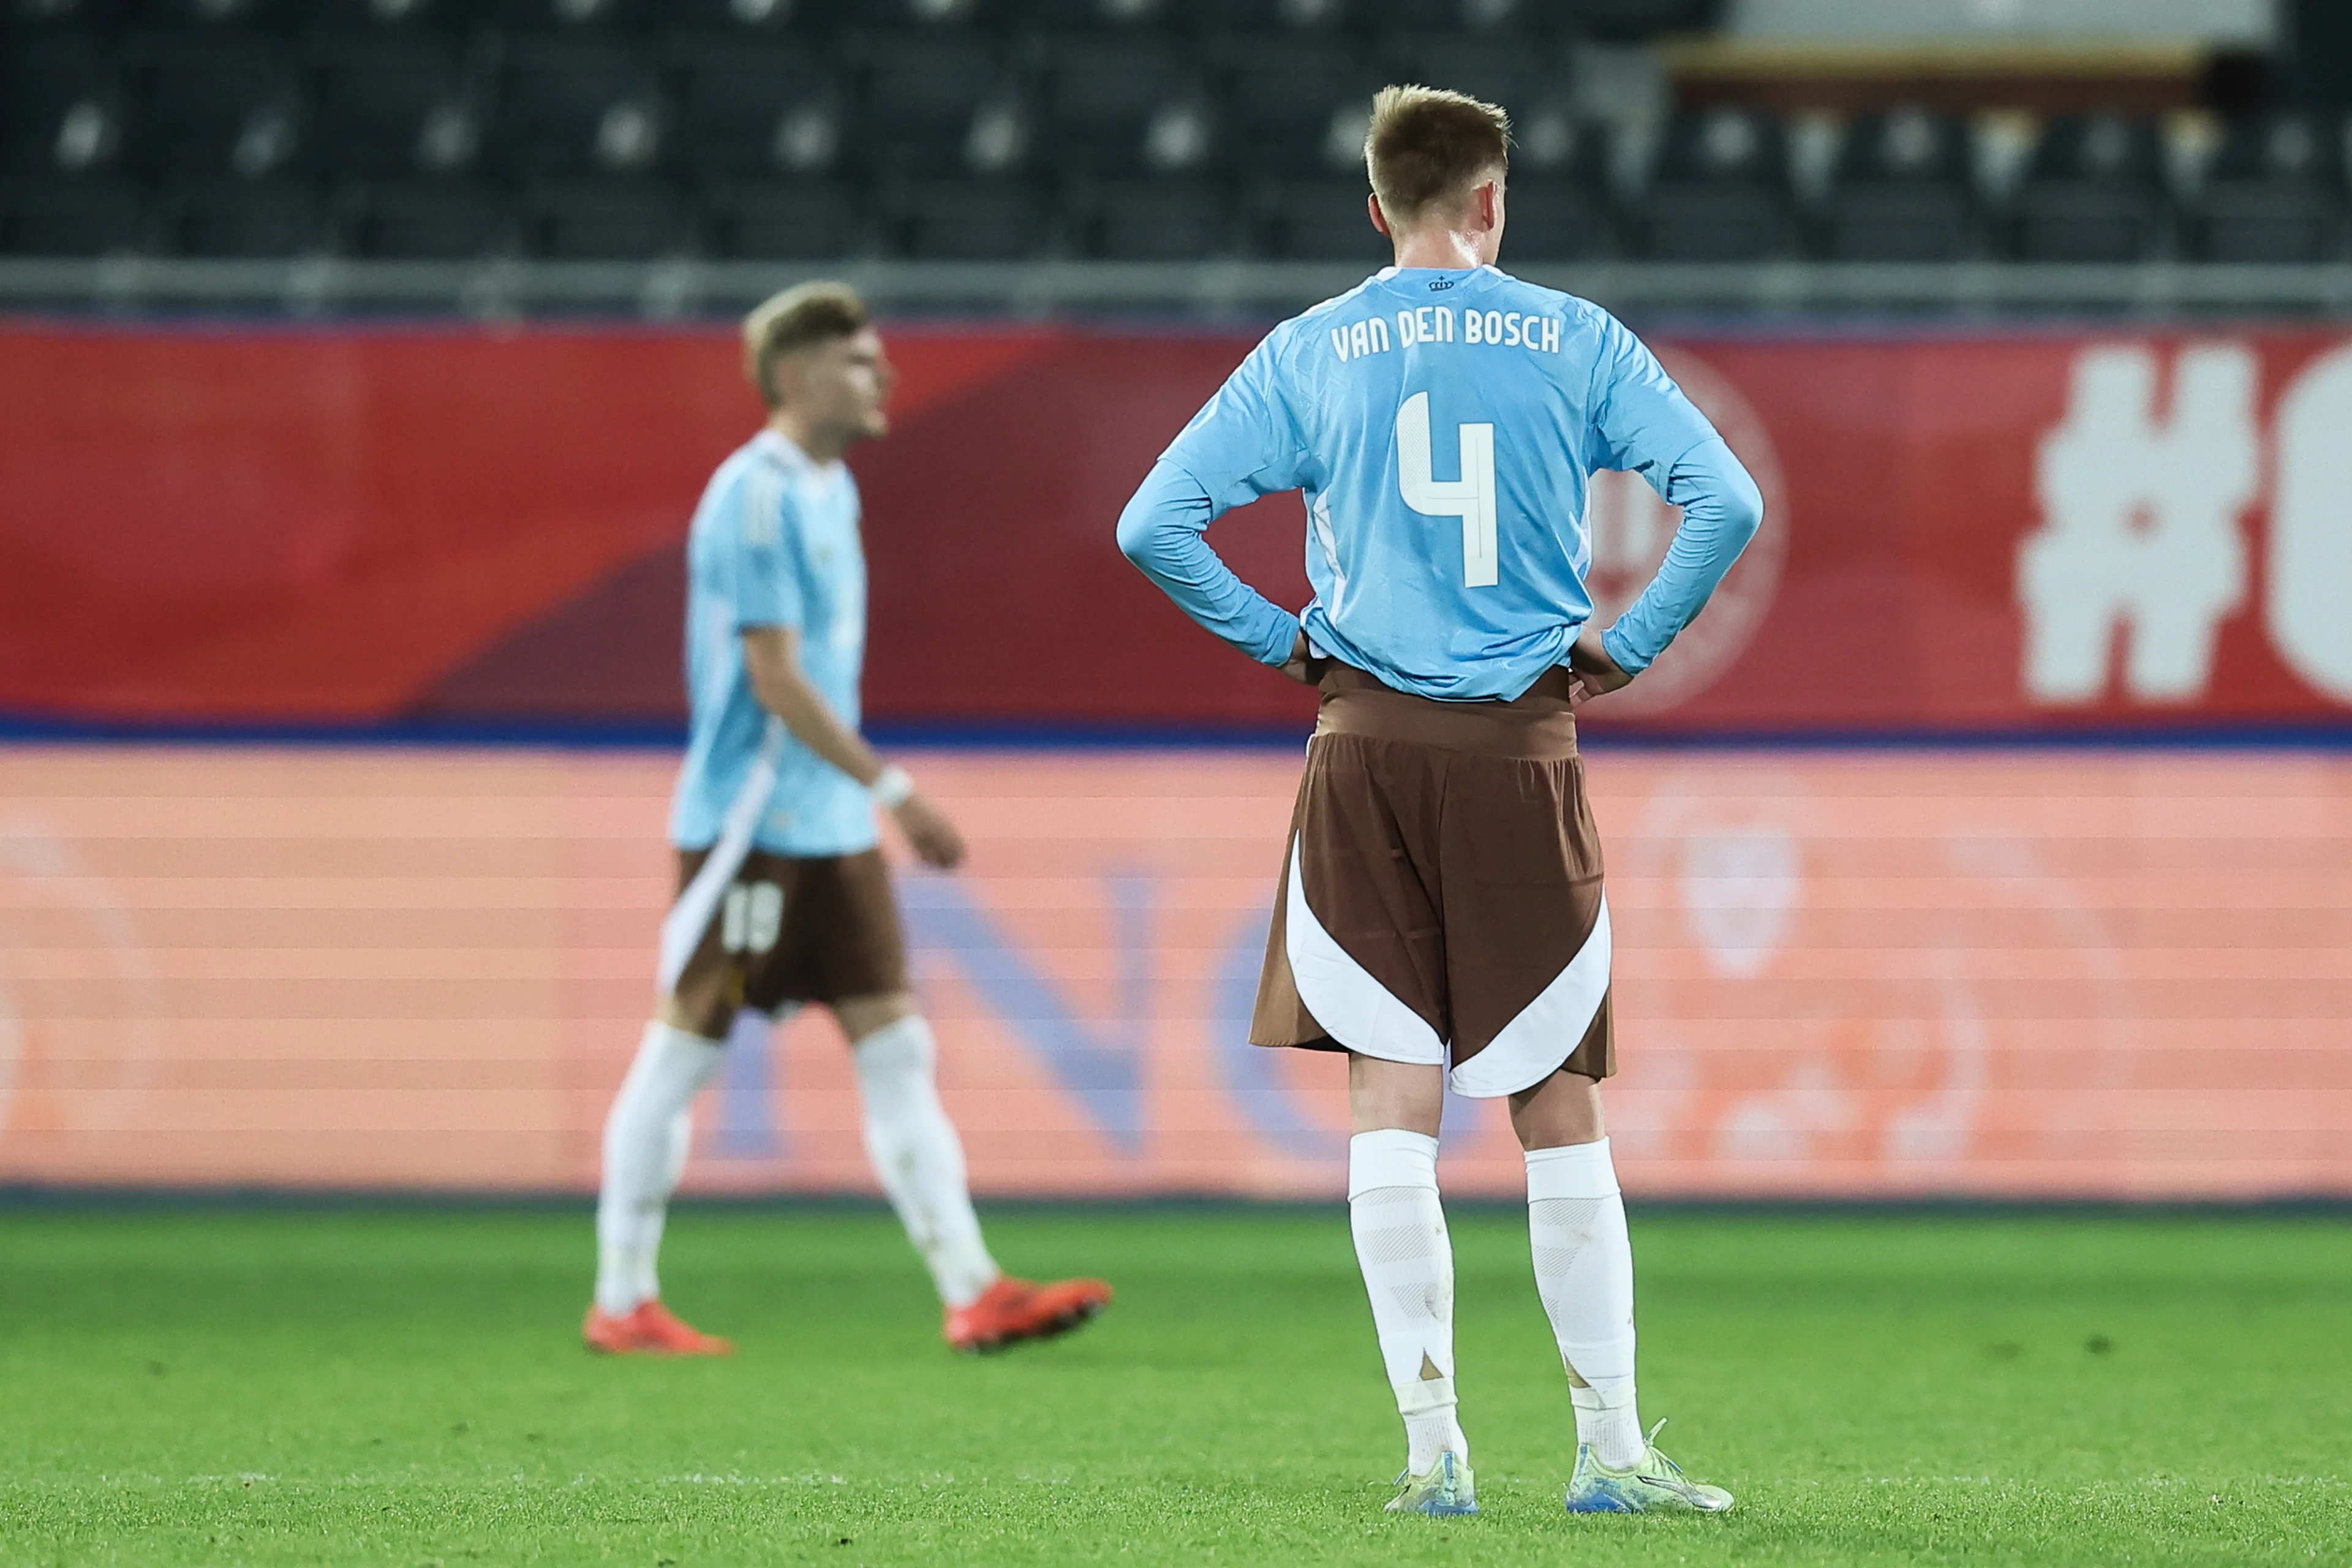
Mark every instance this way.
x=2045 y=974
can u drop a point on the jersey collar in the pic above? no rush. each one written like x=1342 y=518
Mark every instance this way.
x=789 y=454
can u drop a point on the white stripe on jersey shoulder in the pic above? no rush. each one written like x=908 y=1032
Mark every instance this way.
x=764 y=487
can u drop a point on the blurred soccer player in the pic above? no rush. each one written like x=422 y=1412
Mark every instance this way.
x=784 y=898
x=1441 y=901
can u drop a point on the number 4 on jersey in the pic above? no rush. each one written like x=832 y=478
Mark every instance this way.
x=1470 y=498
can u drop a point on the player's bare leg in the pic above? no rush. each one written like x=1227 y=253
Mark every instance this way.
x=919 y=1159
x=1407 y=1257
x=1584 y=1272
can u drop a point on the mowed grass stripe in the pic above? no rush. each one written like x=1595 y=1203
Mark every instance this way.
x=210 y=1386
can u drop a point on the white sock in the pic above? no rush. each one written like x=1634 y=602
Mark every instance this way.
x=646 y=1135
x=1584 y=1271
x=1408 y=1263
x=919 y=1159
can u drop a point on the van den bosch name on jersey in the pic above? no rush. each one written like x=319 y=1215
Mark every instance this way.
x=1437 y=324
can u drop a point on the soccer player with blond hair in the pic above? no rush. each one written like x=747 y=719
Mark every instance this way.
x=1439 y=916
x=783 y=897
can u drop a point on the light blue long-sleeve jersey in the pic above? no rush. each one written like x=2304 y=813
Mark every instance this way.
x=1443 y=424
x=774 y=543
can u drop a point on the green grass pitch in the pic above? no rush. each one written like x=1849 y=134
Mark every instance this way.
x=404 y=1387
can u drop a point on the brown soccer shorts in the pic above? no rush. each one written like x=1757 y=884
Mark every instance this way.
x=1441 y=901
x=791 y=928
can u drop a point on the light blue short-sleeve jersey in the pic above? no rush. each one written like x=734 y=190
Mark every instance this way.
x=774 y=543
x=1443 y=425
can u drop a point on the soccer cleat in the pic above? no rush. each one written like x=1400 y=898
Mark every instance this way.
x=1657 y=1485
x=1014 y=1309
x=1445 y=1490
x=651 y=1330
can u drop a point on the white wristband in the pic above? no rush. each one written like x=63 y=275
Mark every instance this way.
x=891 y=788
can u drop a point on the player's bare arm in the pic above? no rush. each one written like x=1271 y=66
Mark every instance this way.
x=771 y=654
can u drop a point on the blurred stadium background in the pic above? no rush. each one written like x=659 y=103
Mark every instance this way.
x=1991 y=836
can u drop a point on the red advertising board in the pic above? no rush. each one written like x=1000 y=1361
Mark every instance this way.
x=1996 y=530
x=2072 y=972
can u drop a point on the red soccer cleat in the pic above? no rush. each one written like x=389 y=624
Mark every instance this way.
x=652 y=1330
x=1013 y=1310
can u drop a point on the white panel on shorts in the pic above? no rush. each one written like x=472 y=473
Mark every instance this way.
x=1532 y=1046
x=1357 y=1010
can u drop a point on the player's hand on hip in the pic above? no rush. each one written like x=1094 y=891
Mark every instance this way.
x=933 y=838
x=1302 y=665
x=1596 y=674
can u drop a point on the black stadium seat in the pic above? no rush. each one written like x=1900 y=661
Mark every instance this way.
x=1720 y=192
x=750 y=106
x=61 y=109
x=782 y=220
x=1320 y=220
x=617 y=219
x=920 y=92
x=84 y=216
x=233 y=217
x=390 y=105
x=2094 y=192
x=420 y=219
x=1284 y=96
x=1158 y=220
x=569 y=104
x=2274 y=194
x=1901 y=192
x=207 y=106
x=970 y=220
x=1099 y=95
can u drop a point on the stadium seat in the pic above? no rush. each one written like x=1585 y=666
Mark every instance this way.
x=2091 y=193
x=747 y=107
x=32 y=19
x=2273 y=193
x=1158 y=220
x=1297 y=103
x=921 y=94
x=225 y=16
x=1556 y=220
x=970 y=220
x=1640 y=20
x=743 y=19
x=60 y=110
x=419 y=219
x=1720 y=192
x=392 y=18
x=1101 y=95
x=569 y=104
x=1142 y=15
x=577 y=18
x=390 y=105
x=617 y=219
x=1508 y=69
x=1901 y=192
x=782 y=220
x=228 y=217
x=1320 y=220
x=88 y=216
x=215 y=106
x=1454 y=17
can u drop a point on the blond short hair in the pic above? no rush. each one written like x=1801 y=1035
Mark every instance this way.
x=801 y=317
x=1427 y=146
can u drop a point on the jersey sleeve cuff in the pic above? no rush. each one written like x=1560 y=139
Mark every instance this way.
x=1615 y=644
x=1281 y=638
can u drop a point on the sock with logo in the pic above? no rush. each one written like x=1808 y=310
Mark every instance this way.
x=1584 y=1272
x=1407 y=1257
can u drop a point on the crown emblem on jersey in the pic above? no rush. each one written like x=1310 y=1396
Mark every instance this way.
x=1437 y=283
